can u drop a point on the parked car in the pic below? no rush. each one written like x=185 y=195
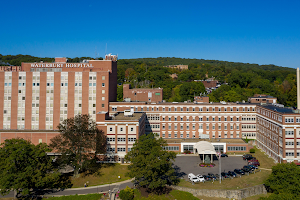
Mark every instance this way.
x=225 y=175
x=239 y=171
x=193 y=178
x=246 y=155
x=254 y=160
x=201 y=178
x=246 y=168
x=231 y=173
x=253 y=167
x=212 y=176
x=224 y=155
x=254 y=163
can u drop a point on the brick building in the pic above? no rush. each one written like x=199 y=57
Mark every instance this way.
x=142 y=94
x=36 y=97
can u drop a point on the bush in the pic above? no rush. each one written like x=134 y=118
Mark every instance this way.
x=187 y=152
x=127 y=194
x=252 y=150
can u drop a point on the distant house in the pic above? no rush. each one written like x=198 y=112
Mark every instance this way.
x=262 y=98
x=174 y=76
x=178 y=66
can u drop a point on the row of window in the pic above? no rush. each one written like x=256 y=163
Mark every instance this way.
x=170 y=148
x=200 y=127
x=201 y=119
x=291 y=154
x=187 y=109
x=236 y=148
x=121 y=128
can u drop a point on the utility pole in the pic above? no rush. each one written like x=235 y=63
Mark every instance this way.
x=220 y=166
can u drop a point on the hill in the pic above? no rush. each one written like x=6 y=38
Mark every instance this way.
x=243 y=79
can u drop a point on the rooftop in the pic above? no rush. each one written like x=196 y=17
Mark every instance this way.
x=229 y=140
x=135 y=117
x=279 y=109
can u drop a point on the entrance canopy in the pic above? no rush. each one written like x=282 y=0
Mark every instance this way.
x=204 y=147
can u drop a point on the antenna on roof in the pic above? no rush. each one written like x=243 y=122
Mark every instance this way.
x=105 y=48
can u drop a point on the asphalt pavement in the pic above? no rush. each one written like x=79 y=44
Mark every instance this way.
x=83 y=190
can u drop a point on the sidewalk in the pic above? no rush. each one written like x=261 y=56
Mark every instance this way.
x=100 y=186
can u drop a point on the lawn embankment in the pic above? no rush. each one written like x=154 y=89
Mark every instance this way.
x=174 y=194
x=237 y=183
x=78 y=197
x=108 y=173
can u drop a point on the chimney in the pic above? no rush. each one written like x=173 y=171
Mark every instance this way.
x=298 y=90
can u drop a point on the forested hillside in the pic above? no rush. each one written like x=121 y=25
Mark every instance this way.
x=243 y=79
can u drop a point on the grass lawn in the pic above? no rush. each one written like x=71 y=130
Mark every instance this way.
x=107 y=174
x=238 y=183
x=78 y=197
x=174 y=194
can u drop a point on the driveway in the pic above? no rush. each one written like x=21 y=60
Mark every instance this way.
x=190 y=164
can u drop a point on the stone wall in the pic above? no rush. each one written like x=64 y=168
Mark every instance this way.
x=232 y=194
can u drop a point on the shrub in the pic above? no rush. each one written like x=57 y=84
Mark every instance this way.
x=127 y=194
x=252 y=150
x=187 y=152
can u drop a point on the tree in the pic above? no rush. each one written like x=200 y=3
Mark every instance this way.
x=24 y=166
x=78 y=139
x=151 y=165
x=127 y=193
x=120 y=93
x=285 y=178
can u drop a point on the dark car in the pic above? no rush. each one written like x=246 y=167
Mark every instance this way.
x=207 y=178
x=246 y=168
x=231 y=173
x=247 y=157
x=253 y=167
x=239 y=171
x=254 y=163
x=224 y=155
x=225 y=175
x=212 y=176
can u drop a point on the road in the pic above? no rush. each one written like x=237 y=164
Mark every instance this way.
x=87 y=190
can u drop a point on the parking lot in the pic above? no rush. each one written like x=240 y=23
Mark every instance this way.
x=190 y=164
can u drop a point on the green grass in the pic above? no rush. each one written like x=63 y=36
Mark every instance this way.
x=238 y=183
x=106 y=175
x=78 y=197
x=174 y=194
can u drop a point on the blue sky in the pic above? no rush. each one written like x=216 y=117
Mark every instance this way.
x=262 y=32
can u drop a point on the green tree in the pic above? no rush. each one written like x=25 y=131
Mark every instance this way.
x=285 y=178
x=190 y=89
x=24 y=166
x=120 y=93
x=78 y=139
x=127 y=193
x=151 y=165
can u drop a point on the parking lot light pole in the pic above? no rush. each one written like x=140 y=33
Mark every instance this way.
x=220 y=166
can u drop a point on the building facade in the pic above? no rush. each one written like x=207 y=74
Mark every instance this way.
x=36 y=97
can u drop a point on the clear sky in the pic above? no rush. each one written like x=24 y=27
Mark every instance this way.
x=262 y=32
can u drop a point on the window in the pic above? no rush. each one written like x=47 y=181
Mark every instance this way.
x=200 y=119
x=121 y=139
x=131 y=139
x=289 y=153
x=122 y=149
x=103 y=84
x=103 y=78
x=289 y=132
x=236 y=148
x=110 y=139
x=131 y=129
x=121 y=129
x=289 y=120
x=110 y=129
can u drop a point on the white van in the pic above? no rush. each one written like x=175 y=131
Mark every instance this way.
x=193 y=178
